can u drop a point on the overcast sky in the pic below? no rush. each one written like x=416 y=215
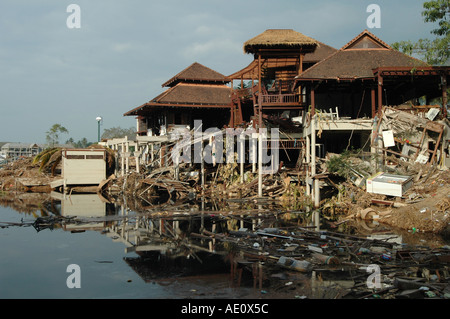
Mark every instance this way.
x=124 y=50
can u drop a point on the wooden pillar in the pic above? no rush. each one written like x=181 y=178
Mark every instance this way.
x=444 y=95
x=232 y=111
x=313 y=102
x=260 y=142
x=380 y=93
x=241 y=119
x=254 y=152
x=127 y=158
x=137 y=155
x=259 y=92
x=122 y=155
x=374 y=104
x=242 y=155
x=152 y=149
x=300 y=71
x=260 y=154
x=308 y=162
x=315 y=180
x=162 y=155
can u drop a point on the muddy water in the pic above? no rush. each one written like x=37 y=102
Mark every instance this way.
x=151 y=253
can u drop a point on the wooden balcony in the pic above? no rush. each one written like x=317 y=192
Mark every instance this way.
x=285 y=101
x=280 y=99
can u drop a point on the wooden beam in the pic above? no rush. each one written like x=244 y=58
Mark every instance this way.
x=380 y=94
x=444 y=96
x=200 y=106
x=300 y=71
x=282 y=108
x=241 y=119
x=232 y=111
x=259 y=91
x=373 y=101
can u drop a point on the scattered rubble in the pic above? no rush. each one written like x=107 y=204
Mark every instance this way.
x=420 y=204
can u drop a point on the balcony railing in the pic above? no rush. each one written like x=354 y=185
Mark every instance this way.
x=280 y=99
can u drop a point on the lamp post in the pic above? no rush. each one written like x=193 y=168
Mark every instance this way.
x=99 y=120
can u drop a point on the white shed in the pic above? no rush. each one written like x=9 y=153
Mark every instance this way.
x=83 y=166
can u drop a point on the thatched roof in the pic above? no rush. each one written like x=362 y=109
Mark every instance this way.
x=196 y=73
x=277 y=38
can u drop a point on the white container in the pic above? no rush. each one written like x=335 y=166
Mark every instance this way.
x=388 y=184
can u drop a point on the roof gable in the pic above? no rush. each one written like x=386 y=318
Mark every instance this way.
x=196 y=73
x=366 y=40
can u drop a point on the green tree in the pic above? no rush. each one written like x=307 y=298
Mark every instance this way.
x=435 y=51
x=118 y=132
x=70 y=141
x=83 y=143
x=52 y=136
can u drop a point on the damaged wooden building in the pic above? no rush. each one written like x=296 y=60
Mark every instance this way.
x=196 y=93
x=294 y=78
x=349 y=88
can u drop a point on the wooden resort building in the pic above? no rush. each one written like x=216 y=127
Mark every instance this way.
x=266 y=84
x=292 y=79
x=279 y=56
x=196 y=93
x=349 y=88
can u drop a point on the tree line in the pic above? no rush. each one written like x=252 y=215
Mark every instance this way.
x=53 y=135
x=435 y=51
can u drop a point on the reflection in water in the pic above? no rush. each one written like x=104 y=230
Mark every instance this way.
x=84 y=206
x=170 y=242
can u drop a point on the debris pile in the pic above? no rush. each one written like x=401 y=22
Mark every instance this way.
x=351 y=259
x=424 y=206
x=288 y=260
x=412 y=178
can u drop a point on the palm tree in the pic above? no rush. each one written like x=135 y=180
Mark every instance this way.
x=51 y=157
x=53 y=134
